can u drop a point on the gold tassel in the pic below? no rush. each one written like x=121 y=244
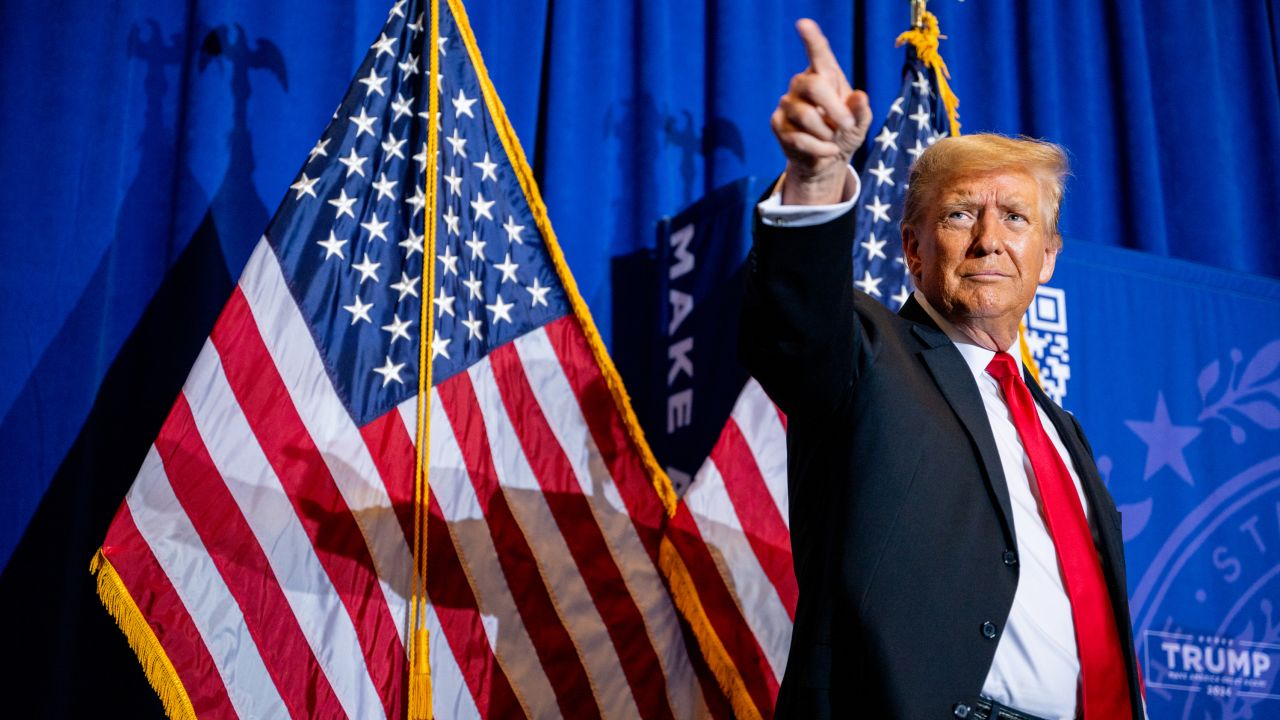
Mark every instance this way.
x=420 y=677
x=926 y=41
x=155 y=663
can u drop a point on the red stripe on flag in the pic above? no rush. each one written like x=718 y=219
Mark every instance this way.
x=447 y=584
x=165 y=612
x=244 y=568
x=610 y=435
x=388 y=441
x=761 y=521
x=556 y=651
x=339 y=544
x=723 y=611
x=782 y=417
x=586 y=542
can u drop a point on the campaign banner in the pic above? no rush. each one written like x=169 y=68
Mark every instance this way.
x=1174 y=371
x=680 y=305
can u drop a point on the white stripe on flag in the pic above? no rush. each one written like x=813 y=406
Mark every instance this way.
x=563 y=413
x=167 y=530
x=568 y=590
x=292 y=348
x=244 y=467
x=713 y=512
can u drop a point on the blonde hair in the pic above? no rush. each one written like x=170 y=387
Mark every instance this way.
x=963 y=155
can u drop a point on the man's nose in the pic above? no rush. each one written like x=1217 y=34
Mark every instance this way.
x=988 y=234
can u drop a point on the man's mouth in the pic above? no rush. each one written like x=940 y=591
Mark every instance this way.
x=985 y=276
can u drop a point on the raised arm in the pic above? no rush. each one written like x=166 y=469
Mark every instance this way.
x=798 y=337
x=820 y=123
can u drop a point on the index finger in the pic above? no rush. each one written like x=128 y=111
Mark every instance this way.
x=816 y=46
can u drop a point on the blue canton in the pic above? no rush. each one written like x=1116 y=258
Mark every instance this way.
x=916 y=120
x=349 y=234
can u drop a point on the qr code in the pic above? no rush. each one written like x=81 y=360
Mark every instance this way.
x=1046 y=323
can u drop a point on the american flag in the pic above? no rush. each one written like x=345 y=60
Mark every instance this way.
x=731 y=529
x=262 y=563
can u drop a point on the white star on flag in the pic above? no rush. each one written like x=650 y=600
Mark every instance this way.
x=879 y=210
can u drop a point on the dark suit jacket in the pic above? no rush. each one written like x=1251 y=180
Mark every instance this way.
x=901 y=527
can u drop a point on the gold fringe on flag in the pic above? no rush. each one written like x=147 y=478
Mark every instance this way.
x=155 y=663
x=685 y=594
x=925 y=40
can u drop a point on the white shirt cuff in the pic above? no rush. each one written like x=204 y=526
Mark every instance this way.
x=773 y=212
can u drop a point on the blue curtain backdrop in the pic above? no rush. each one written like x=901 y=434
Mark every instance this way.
x=145 y=144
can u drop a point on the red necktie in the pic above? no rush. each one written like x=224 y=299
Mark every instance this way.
x=1104 y=687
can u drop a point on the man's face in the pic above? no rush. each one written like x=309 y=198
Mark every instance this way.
x=981 y=250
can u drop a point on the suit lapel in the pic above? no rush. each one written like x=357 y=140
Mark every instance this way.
x=955 y=381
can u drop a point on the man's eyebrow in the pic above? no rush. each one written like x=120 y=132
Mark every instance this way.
x=962 y=200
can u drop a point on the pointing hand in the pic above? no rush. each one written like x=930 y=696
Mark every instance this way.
x=820 y=123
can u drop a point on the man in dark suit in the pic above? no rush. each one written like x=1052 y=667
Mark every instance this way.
x=956 y=551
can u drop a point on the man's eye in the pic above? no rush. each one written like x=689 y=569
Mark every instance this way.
x=1017 y=217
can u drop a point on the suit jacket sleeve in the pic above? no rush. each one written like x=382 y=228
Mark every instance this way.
x=798 y=333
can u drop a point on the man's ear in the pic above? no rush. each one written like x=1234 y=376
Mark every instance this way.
x=911 y=251
x=1050 y=260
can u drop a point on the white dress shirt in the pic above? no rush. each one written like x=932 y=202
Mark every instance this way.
x=1036 y=668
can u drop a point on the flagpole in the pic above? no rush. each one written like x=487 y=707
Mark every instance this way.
x=918 y=10
x=419 y=637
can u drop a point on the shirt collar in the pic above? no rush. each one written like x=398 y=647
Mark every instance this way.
x=975 y=356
